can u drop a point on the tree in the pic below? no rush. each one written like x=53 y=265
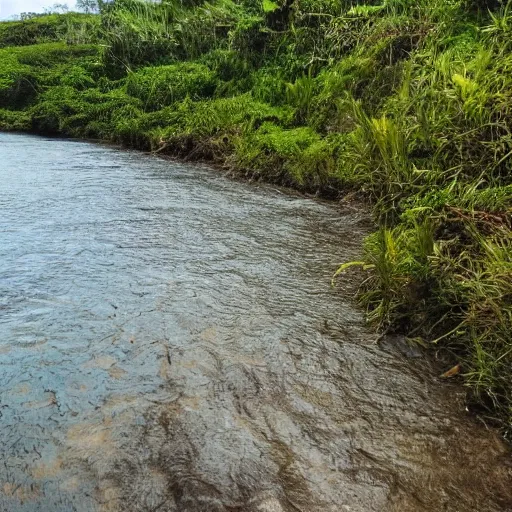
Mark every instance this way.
x=29 y=15
x=87 y=6
x=57 y=9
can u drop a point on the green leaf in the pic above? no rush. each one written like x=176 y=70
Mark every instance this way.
x=269 y=6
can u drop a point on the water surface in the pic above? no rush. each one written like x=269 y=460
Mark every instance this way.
x=169 y=342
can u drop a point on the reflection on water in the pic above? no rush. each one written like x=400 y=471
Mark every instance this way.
x=169 y=342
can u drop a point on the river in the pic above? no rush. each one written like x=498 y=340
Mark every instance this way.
x=169 y=341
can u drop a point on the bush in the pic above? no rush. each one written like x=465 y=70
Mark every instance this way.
x=160 y=86
x=296 y=157
x=18 y=84
x=73 y=28
x=14 y=120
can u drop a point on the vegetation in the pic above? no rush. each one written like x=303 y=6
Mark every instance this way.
x=407 y=103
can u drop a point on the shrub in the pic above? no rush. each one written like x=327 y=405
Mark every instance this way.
x=18 y=84
x=162 y=85
x=14 y=120
x=287 y=156
x=73 y=27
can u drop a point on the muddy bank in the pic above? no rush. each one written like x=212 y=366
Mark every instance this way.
x=169 y=341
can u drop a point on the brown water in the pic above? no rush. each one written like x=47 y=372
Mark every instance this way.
x=169 y=342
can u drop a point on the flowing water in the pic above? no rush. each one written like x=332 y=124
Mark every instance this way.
x=169 y=342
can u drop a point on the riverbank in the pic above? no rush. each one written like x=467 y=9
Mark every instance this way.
x=406 y=103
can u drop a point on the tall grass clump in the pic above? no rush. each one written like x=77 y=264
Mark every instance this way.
x=159 y=86
x=74 y=28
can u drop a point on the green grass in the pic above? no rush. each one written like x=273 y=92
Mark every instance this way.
x=407 y=103
x=73 y=27
x=160 y=86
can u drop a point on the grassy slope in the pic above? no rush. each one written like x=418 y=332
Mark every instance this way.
x=408 y=102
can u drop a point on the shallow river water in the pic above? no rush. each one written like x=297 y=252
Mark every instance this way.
x=169 y=342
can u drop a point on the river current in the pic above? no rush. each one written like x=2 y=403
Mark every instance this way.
x=170 y=341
